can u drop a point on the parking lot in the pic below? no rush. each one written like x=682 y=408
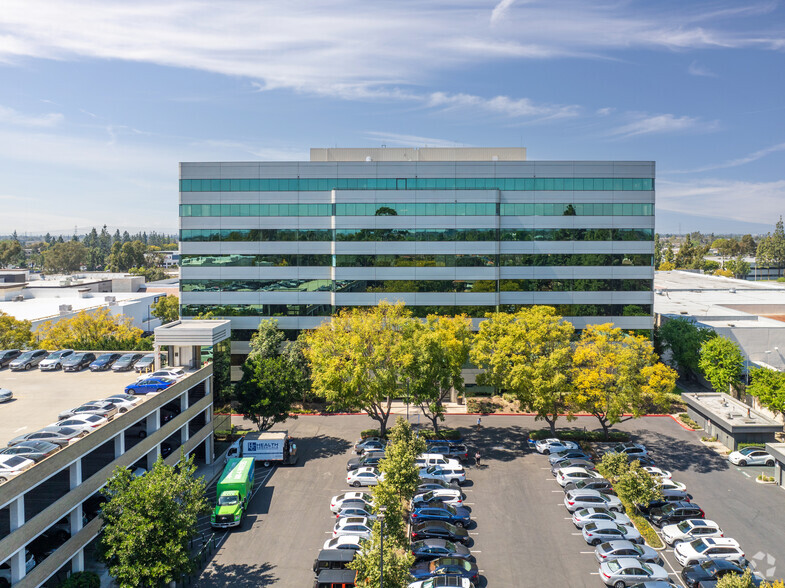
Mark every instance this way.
x=522 y=535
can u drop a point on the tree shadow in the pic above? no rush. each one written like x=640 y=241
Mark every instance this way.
x=320 y=447
x=237 y=575
x=672 y=453
x=260 y=504
x=495 y=443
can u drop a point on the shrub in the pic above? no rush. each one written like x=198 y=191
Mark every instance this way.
x=482 y=405
x=643 y=526
x=708 y=439
x=369 y=433
x=580 y=435
x=446 y=434
x=685 y=418
x=743 y=445
x=82 y=580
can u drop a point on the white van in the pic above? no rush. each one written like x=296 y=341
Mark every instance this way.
x=425 y=460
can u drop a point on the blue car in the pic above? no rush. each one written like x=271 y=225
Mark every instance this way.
x=438 y=511
x=103 y=362
x=148 y=386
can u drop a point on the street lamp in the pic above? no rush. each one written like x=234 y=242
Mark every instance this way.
x=380 y=516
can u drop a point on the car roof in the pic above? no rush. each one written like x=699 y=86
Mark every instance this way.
x=619 y=544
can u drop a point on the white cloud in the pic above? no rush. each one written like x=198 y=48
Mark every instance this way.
x=755 y=156
x=723 y=198
x=645 y=124
x=14 y=117
x=696 y=69
x=500 y=9
x=503 y=105
x=411 y=140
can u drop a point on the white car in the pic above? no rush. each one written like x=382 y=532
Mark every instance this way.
x=175 y=373
x=566 y=475
x=338 y=502
x=603 y=531
x=578 y=499
x=698 y=550
x=445 y=495
x=13 y=465
x=658 y=473
x=124 y=402
x=553 y=445
x=54 y=361
x=631 y=450
x=584 y=516
x=628 y=571
x=690 y=530
x=444 y=473
x=430 y=459
x=5 y=568
x=364 y=477
x=359 y=527
x=443 y=582
x=5 y=395
x=343 y=542
x=672 y=485
x=751 y=456
x=86 y=423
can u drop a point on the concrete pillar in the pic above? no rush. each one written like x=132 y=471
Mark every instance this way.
x=153 y=421
x=75 y=474
x=119 y=445
x=208 y=414
x=77 y=561
x=184 y=401
x=208 y=450
x=18 y=570
x=17 y=512
x=152 y=457
x=184 y=434
x=157 y=351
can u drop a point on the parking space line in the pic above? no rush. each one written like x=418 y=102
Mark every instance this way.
x=746 y=474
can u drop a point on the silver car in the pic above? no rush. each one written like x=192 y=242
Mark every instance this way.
x=28 y=360
x=583 y=517
x=620 y=548
x=6 y=395
x=627 y=571
x=99 y=407
x=602 y=531
x=60 y=435
x=578 y=499
x=54 y=361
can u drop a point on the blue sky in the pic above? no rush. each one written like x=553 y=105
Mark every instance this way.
x=99 y=101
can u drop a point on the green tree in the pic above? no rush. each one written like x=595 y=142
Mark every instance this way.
x=722 y=362
x=637 y=486
x=358 y=360
x=167 y=309
x=294 y=354
x=658 y=250
x=268 y=339
x=65 y=257
x=769 y=387
x=613 y=465
x=266 y=391
x=82 y=580
x=98 y=330
x=529 y=354
x=617 y=373
x=398 y=465
x=10 y=250
x=738 y=267
x=397 y=561
x=683 y=338
x=771 y=248
x=440 y=348
x=740 y=581
x=748 y=245
x=149 y=521
x=151 y=274
x=14 y=334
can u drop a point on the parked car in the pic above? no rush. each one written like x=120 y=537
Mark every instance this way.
x=166 y=450
x=148 y=386
x=59 y=435
x=355 y=511
x=54 y=361
x=668 y=485
x=337 y=502
x=707 y=571
x=600 y=484
x=450 y=496
x=173 y=373
x=435 y=459
x=145 y=364
x=457 y=451
x=104 y=362
x=13 y=465
x=602 y=531
x=428 y=485
x=446 y=565
x=356 y=526
x=446 y=581
x=343 y=542
x=631 y=450
x=573 y=454
x=574 y=474
x=35 y=450
x=77 y=362
x=6 y=395
x=553 y=445
x=369 y=459
x=99 y=407
x=627 y=571
x=363 y=477
x=620 y=549
x=698 y=550
x=584 y=516
x=439 y=530
x=751 y=456
x=8 y=355
x=30 y=563
x=645 y=509
x=578 y=499
x=27 y=360
x=123 y=402
x=658 y=472
x=438 y=511
x=429 y=549
x=690 y=529
x=675 y=512
x=369 y=444
x=85 y=422
x=572 y=463
x=444 y=473
x=126 y=362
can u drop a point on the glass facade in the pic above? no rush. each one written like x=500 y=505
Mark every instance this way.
x=196 y=235
x=323 y=184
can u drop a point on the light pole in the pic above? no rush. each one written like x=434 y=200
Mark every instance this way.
x=381 y=546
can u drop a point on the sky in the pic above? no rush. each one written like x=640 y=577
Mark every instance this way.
x=100 y=100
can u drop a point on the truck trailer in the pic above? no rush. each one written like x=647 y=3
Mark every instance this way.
x=268 y=447
x=233 y=493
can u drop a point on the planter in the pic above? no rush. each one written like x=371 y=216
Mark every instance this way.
x=765 y=481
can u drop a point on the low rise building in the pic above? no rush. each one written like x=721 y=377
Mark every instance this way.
x=777 y=450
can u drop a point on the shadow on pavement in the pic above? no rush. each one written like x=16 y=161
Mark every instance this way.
x=495 y=443
x=320 y=447
x=237 y=575
x=261 y=502
x=671 y=453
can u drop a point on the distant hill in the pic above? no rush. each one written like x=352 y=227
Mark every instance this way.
x=667 y=221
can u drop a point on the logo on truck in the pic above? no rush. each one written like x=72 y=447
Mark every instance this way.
x=261 y=445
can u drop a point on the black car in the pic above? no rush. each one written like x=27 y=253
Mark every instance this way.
x=709 y=570
x=126 y=362
x=675 y=512
x=439 y=530
x=333 y=559
x=78 y=361
x=166 y=450
x=645 y=509
x=600 y=484
x=35 y=450
x=429 y=549
x=103 y=362
x=370 y=459
x=8 y=356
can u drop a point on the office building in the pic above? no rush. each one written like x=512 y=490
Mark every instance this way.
x=444 y=230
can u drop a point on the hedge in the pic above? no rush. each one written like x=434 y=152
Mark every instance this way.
x=580 y=435
x=82 y=580
x=445 y=434
x=743 y=445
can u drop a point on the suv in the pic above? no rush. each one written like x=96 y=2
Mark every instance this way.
x=451 y=474
x=54 y=361
x=27 y=360
x=577 y=499
x=699 y=550
x=435 y=459
x=78 y=361
x=8 y=356
x=675 y=512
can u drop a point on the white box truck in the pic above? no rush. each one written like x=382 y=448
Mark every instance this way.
x=267 y=447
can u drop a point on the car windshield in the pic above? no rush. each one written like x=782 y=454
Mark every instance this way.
x=647 y=569
x=668 y=509
x=699 y=546
x=428 y=496
x=683 y=526
x=14 y=461
x=228 y=500
x=614 y=566
x=25 y=356
x=104 y=357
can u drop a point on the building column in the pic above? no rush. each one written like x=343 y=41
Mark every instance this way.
x=18 y=569
x=17 y=512
x=77 y=561
x=153 y=422
x=119 y=445
x=184 y=434
x=157 y=351
x=208 y=450
x=152 y=457
x=184 y=401
x=75 y=473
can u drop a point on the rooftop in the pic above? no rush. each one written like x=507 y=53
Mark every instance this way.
x=420 y=154
x=33 y=309
x=732 y=412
